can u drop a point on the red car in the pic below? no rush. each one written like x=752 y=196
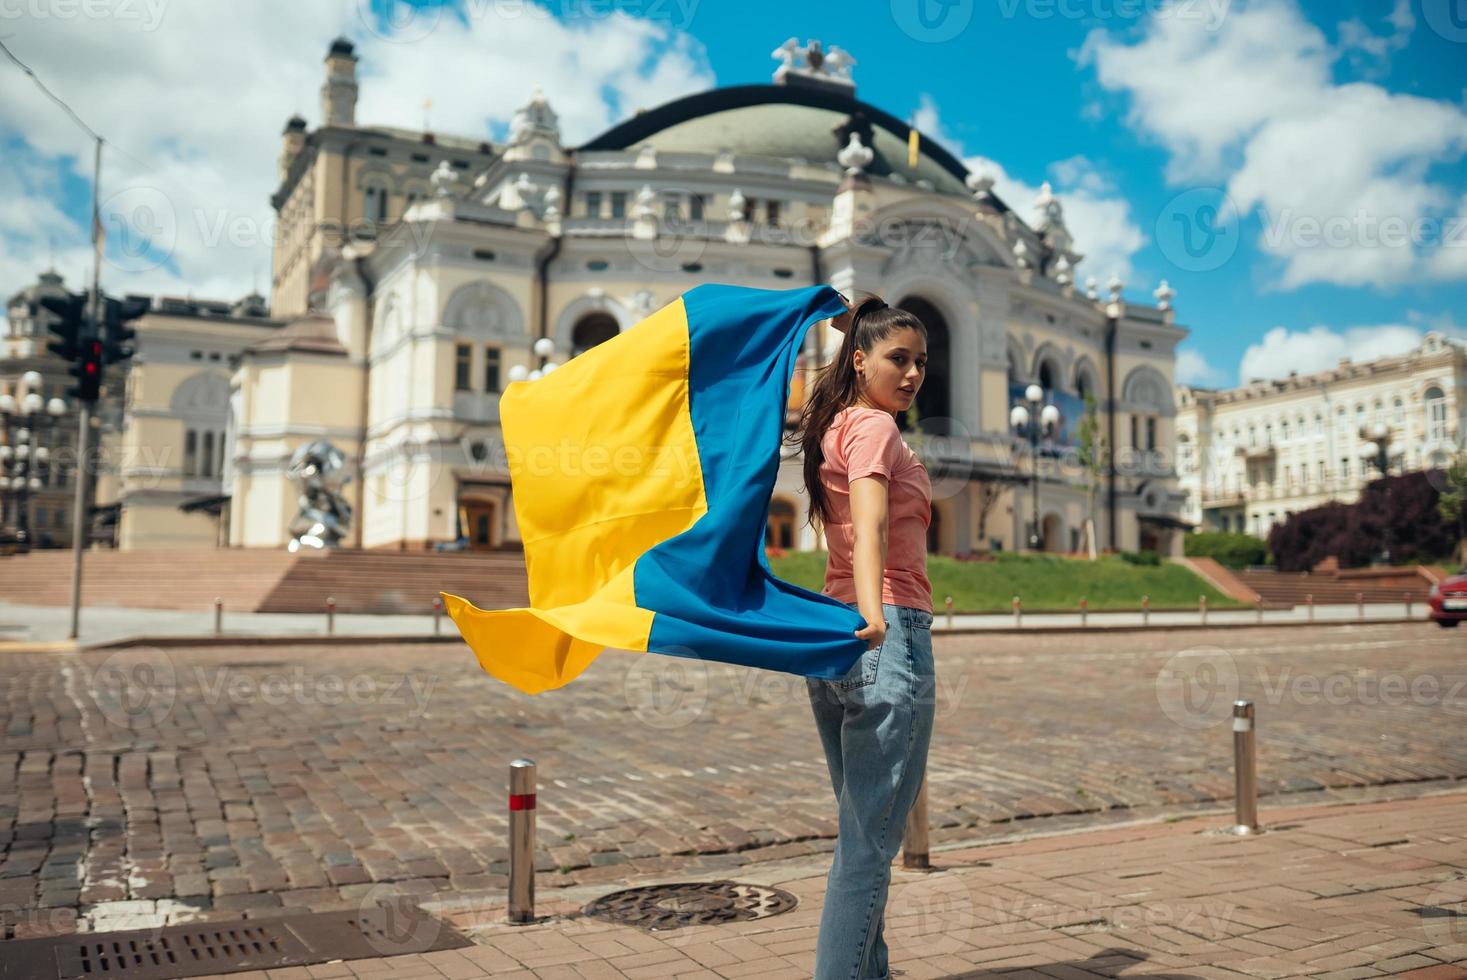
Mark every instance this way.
x=1448 y=600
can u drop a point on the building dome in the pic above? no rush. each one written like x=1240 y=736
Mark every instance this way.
x=788 y=122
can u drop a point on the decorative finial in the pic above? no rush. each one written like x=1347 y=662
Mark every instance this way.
x=1021 y=254
x=1164 y=295
x=444 y=179
x=855 y=156
x=1092 y=287
x=980 y=184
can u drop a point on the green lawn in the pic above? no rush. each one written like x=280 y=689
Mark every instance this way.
x=1044 y=582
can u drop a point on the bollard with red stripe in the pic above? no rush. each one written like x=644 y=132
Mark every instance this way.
x=522 y=841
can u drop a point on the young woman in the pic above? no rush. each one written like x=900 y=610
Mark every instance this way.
x=872 y=494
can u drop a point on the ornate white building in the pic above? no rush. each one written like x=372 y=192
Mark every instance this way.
x=423 y=271
x=1250 y=456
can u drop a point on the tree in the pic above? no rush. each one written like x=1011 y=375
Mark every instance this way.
x=1452 y=505
x=1092 y=451
x=989 y=492
x=1401 y=511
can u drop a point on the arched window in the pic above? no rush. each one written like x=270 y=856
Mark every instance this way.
x=779 y=531
x=934 y=404
x=1436 y=414
x=374 y=202
x=1046 y=376
x=593 y=329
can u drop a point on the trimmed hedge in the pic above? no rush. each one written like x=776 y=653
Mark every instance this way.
x=1229 y=549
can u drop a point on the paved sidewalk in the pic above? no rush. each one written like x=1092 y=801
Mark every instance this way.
x=36 y=627
x=1341 y=892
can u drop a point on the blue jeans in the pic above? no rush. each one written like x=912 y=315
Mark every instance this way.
x=875 y=724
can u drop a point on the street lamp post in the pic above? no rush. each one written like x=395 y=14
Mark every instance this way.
x=26 y=419
x=544 y=349
x=1378 y=449
x=1031 y=422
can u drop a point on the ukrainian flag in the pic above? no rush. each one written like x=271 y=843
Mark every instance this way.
x=642 y=471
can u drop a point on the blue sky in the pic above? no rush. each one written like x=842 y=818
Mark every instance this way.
x=1299 y=117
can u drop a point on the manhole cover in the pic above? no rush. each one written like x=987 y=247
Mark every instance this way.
x=694 y=903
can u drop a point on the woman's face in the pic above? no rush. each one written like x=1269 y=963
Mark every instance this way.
x=892 y=374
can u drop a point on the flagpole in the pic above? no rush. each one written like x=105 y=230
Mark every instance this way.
x=79 y=522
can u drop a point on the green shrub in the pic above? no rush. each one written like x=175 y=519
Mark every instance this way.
x=1229 y=549
x=1147 y=557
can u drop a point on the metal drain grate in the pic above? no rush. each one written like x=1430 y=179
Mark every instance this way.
x=228 y=947
x=694 y=903
x=145 y=954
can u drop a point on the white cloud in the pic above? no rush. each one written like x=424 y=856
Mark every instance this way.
x=1368 y=50
x=1097 y=216
x=1338 y=173
x=193 y=103
x=1192 y=369
x=1283 y=350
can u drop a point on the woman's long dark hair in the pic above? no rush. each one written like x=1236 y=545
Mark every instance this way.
x=835 y=388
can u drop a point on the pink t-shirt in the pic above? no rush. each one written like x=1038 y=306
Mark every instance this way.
x=865 y=442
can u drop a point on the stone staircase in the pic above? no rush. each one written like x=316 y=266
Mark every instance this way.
x=266 y=580
x=1339 y=587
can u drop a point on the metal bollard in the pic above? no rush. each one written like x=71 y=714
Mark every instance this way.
x=1408 y=604
x=948 y=602
x=1260 y=610
x=1245 y=769
x=522 y=841
x=1309 y=601
x=1146 y=610
x=218 y=615
x=1360 y=604
x=1018 y=613
x=1202 y=608
x=437 y=615
x=330 y=615
x=1084 y=611
x=914 y=842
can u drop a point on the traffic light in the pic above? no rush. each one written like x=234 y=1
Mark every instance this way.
x=69 y=327
x=117 y=335
x=88 y=370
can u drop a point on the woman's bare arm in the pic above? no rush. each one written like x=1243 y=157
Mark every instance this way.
x=868 y=553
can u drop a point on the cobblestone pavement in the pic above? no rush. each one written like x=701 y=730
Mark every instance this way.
x=146 y=786
x=1333 y=892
